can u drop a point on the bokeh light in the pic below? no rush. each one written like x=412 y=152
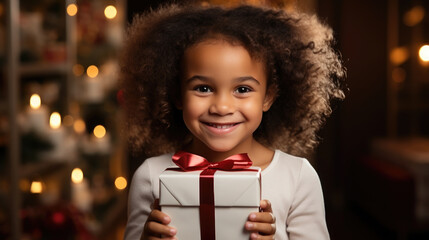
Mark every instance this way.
x=92 y=71
x=120 y=183
x=110 y=12
x=55 y=120
x=35 y=101
x=36 y=187
x=79 y=126
x=77 y=175
x=424 y=53
x=78 y=70
x=72 y=9
x=399 y=55
x=414 y=16
x=99 y=131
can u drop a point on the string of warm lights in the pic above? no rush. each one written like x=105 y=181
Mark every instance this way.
x=78 y=124
x=110 y=11
x=76 y=176
x=79 y=127
x=400 y=54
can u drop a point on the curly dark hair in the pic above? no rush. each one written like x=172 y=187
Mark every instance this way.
x=303 y=71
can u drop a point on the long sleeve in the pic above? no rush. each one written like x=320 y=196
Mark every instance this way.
x=293 y=187
x=306 y=218
x=144 y=189
x=139 y=201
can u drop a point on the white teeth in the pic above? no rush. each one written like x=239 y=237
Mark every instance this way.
x=221 y=126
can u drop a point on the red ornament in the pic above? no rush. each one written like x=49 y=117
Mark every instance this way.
x=58 y=218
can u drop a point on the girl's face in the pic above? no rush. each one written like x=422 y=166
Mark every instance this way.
x=223 y=96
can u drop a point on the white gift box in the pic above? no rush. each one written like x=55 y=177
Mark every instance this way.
x=236 y=195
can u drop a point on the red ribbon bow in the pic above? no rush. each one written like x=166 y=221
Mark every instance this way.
x=191 y=162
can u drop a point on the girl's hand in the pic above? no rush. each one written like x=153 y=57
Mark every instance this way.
x=262 y=224
x=156 y=226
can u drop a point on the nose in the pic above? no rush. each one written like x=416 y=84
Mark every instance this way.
x=222 y=104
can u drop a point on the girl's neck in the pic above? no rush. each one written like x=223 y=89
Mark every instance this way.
x=260 y=155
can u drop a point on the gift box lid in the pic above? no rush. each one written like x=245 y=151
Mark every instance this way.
x=232 y=188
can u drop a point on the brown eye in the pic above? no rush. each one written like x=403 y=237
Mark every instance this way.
x=243 y=89
x=203 y=89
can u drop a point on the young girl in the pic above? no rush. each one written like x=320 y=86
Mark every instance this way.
x=216 y=82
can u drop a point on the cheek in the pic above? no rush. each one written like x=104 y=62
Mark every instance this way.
x=253 y=110
x=192 y=108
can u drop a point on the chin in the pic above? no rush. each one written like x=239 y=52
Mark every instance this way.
x=221 y=147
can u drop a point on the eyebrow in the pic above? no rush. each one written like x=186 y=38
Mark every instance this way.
x=208 y=79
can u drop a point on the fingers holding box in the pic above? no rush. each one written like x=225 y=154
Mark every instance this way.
x=262 y=224
x=157 y=226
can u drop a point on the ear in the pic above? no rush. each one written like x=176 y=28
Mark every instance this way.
x=269 y=99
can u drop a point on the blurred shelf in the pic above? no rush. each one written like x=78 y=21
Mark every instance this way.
x=39 y=168
x=411 y=151
x=43 y=68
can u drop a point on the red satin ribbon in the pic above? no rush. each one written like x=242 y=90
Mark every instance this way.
x=191 y=162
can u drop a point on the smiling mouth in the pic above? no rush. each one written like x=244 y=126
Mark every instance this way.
x=220 y=125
